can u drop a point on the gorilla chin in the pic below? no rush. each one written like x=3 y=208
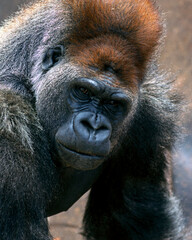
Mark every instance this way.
x=76 y=159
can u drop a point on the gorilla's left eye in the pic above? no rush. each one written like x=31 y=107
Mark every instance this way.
x=113 y=103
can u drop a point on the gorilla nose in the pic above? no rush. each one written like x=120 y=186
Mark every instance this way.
x=93 y=127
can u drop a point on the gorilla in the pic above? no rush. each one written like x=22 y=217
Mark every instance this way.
x=84 y=105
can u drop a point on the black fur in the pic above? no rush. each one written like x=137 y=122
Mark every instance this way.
x=138 y=205
x=26 y=170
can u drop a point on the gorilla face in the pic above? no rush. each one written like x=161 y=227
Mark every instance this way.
x=85 y=110
x=85 y=138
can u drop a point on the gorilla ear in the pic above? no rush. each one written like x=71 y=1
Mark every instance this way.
x=52 y=57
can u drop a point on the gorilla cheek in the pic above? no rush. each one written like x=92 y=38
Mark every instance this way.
x=84 y=142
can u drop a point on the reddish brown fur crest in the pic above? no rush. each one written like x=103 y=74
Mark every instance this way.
x=105 y=54
x=135 y=22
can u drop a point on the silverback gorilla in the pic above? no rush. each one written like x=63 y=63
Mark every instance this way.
x=83 y=104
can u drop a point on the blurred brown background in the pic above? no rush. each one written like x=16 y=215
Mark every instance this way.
x=177 y=56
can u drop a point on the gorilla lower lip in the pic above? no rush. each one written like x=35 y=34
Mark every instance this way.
x=77 y=160
x=80 y=153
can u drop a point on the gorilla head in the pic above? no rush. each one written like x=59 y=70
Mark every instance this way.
x=87 y=84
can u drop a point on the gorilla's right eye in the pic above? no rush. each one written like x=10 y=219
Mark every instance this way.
x=81 y=93
x=52 y=57
x=84 y=90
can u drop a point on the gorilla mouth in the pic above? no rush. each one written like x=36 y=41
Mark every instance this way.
x=81 y=153
x=76 y=159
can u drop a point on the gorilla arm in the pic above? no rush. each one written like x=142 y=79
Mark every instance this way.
x=26 y=171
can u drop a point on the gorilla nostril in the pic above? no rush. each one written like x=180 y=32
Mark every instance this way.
x=103 y=128
x=86 y=124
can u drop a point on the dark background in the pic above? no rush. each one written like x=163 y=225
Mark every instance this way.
x=177 y=56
